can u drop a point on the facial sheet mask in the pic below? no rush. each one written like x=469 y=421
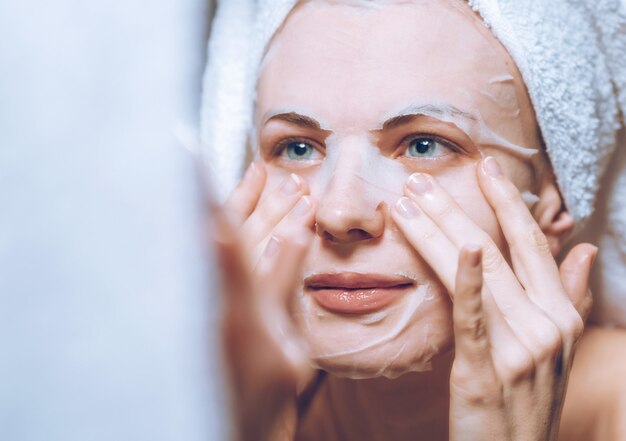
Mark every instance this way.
x=404 y=316
x=354 y=164
x=359 y=168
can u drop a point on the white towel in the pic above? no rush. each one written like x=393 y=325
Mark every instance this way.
x=571 y=54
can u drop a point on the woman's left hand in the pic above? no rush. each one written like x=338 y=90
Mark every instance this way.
x=515 y=326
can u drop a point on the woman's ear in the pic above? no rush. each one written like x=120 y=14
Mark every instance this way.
x=552 y=215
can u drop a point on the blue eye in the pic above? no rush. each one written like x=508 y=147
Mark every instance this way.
x=299 y=151
x=424 y=148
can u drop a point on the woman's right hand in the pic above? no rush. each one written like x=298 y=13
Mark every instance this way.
x=260 y=247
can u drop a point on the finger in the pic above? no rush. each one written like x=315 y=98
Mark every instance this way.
x=534 y=264
x=530 y=250
x=487 y=348
x=245 y=197
x=301 y=218
x=473 y=342
x=460 y=229
x=271 y=209
x=575 y=271
x=531 y=326
x=235 y=272
x=509 y=356
x=427 y=239
x=279 y=268
x=278 y=274
x=470 y=332
x=525 y=318
x=531 y=255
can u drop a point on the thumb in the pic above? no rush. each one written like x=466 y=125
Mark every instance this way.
x=575 y=272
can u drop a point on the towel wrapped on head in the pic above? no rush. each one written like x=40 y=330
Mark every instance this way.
x=572 y=56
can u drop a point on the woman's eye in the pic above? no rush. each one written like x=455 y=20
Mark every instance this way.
x=300 y=151
x=425 y=147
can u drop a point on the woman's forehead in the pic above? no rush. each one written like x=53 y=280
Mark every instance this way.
x=353 y=66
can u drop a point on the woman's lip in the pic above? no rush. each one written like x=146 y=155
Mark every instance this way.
x=354 y=293
x=351 y=280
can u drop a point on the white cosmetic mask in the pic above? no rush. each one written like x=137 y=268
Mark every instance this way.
x=381 y=180
x=364 y=167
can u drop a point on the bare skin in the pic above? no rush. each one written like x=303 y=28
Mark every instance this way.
x=595 y=405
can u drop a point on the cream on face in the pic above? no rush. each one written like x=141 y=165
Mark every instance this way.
x=356 y=99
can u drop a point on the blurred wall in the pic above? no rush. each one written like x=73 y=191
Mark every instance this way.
x=105 y=306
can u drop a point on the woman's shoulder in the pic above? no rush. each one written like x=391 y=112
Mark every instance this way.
x=595 y=405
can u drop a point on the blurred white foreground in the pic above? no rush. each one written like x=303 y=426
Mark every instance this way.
x=105 y=311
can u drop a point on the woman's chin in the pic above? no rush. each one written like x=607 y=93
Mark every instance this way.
x=388 y=343
x=390 y=362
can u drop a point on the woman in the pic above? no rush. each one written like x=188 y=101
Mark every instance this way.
x=401 y=190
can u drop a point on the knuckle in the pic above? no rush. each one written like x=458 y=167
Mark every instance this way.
x=469 y=286
x=478 y=391
x=518 y=366
x=444 y=210
x=473 y=327
x=492 y=258
x=271 y=208
x=534 y=239
x=512 y=196
x=429 y=232
x=574 y=327
x=539 y=241
x=549 y=342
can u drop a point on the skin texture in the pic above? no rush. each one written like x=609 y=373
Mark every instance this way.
x=595 y=406
x=512 y=315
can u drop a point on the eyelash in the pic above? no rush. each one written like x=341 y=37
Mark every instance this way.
x=282 y=145
x=444 y=142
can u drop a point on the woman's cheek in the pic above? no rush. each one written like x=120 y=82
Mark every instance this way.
x=463 y=187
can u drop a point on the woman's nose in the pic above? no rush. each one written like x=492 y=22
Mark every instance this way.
x=347 y=213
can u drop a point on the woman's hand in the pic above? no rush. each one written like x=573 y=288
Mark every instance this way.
x=515 y=327
x=260 y=246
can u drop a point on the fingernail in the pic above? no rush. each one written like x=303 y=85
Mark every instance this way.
x=302 y=207
x=491 y=167
x=272 y=247
x=291 y=185
x=251 y=172
x=419 y=183
x=407 y=208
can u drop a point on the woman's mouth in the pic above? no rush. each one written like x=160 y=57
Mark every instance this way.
x=356 y=293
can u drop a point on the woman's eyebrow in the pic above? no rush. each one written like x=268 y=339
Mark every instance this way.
x=294 y=118
x=407 y=114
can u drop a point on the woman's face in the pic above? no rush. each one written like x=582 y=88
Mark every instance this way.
x=354 y=99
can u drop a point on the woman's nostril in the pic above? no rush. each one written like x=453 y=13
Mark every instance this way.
x=327 y=236
x=358 y=235
x=353 y=235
